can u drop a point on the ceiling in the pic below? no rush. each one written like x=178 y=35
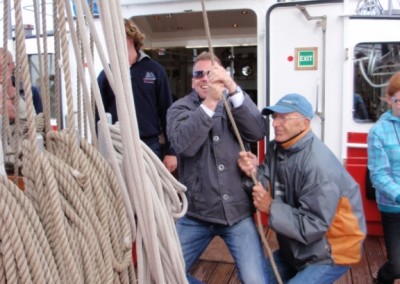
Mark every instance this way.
x=194 y=20
x=236 y=24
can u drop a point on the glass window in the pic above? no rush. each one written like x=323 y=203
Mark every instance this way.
x=374 y=64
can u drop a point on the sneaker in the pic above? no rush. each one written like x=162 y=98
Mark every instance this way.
x=375 y=280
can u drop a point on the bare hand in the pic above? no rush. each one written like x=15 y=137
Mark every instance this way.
x=262 y=198
x=248 y=163
x=170 y=162
x=215 y=91
x=219 y=74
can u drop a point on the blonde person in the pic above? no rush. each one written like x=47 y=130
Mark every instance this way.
x=151 y=94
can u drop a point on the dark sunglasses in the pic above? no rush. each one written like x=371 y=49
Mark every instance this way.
x=199 y=74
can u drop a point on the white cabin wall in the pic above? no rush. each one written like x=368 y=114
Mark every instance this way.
x=333 y=82
x=292 y=30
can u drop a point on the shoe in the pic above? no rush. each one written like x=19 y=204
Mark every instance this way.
x=375 y=280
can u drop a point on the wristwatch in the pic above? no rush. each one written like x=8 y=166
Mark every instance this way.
x=238 y=90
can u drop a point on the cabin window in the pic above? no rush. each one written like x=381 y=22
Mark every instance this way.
x=374 y=64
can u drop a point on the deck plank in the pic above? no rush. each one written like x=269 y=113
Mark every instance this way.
x=222 y=273
x=203 y=270
x=345 y=279
x=360 y=272
x=234 y=278
x=374 y=255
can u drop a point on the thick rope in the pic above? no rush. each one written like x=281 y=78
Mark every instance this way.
x=22 y=233
x=84 y=222
x=112 y=159
x=57 y=71
x=239 y=138
x=135 y=177
x=9 y=143
x=78 y=198
x=5 y=121
x=45 y=89
x=152 y=247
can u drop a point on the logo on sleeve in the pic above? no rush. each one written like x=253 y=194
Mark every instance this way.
x=149 y=78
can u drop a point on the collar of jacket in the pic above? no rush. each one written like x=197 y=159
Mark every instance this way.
x=388 y=115
x=142 y=55
x=295 y=139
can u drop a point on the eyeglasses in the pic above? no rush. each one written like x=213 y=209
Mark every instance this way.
x=395 y=100
x=285 y=118
x=199 y=74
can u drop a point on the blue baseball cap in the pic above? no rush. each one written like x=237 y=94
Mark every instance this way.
x=291 y=103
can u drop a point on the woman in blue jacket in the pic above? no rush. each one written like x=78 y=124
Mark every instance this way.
x=384 y=166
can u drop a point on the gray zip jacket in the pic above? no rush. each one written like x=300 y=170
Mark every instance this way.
x=207 y=152
x=317 y=211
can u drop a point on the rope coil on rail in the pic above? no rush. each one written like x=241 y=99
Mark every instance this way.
x=77 y=197
x=84 y=224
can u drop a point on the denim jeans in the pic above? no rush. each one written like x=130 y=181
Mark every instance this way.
x=242 y=239
x=311 y=274
x=391 y=234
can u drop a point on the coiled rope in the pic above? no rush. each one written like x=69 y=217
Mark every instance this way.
x=155 y=197
x=82 y=202
x=83 y=226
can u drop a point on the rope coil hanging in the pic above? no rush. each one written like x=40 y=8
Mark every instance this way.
x=85 y=225
x=159 y=255
x=161 y=250
x=78 y=196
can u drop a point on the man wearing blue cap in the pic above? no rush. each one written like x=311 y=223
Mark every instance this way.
x=314 y=205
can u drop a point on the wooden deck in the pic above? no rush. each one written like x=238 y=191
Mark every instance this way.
x=216 y=265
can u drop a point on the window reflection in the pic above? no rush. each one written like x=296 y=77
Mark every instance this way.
x=374 y=64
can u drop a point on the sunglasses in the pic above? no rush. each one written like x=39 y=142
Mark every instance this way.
x=199 y=74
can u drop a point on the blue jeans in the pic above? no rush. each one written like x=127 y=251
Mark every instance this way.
x=311 y=274
x=391 y=234
x=242 y=239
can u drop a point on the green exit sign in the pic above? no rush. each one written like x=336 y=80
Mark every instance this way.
x=306 y=58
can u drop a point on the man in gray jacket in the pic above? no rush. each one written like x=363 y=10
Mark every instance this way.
x=317 y=211
x=202 y=136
